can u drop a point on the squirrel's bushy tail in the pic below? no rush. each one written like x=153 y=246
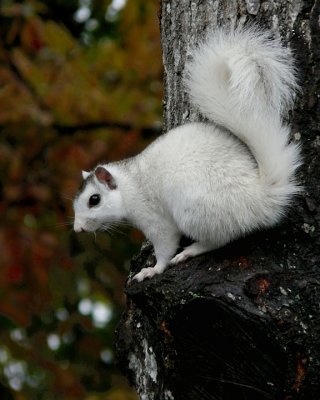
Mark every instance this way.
x=245 y=81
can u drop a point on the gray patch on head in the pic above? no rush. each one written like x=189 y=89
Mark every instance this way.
x=84 y=184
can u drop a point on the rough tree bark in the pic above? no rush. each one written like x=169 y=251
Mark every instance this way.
x=244 y=321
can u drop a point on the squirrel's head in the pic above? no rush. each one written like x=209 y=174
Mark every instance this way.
x=98 y=202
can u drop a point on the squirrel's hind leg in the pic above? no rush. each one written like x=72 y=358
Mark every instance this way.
x=193 y=250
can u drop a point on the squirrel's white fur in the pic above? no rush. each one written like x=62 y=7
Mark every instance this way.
x=215 y=181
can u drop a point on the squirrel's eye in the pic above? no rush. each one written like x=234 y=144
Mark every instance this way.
x=94 y=200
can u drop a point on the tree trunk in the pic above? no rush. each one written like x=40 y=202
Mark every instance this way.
x=244 y=321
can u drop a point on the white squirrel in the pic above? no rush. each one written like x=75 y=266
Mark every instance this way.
x=216 y=181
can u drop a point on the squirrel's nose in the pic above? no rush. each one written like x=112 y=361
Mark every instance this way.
x=78 y=228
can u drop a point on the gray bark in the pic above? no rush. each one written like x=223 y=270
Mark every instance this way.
x=244 y=321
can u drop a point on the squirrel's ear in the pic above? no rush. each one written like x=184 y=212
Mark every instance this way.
x=104 y=176
x=85 y=174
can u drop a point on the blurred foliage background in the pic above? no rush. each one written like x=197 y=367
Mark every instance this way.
x=80 y=83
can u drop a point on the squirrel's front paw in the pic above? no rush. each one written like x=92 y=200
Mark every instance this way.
x=145 y=273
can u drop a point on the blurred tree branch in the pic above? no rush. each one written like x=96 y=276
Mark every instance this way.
x=146 y=131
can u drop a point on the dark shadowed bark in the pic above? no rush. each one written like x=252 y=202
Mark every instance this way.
x=242 y=322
